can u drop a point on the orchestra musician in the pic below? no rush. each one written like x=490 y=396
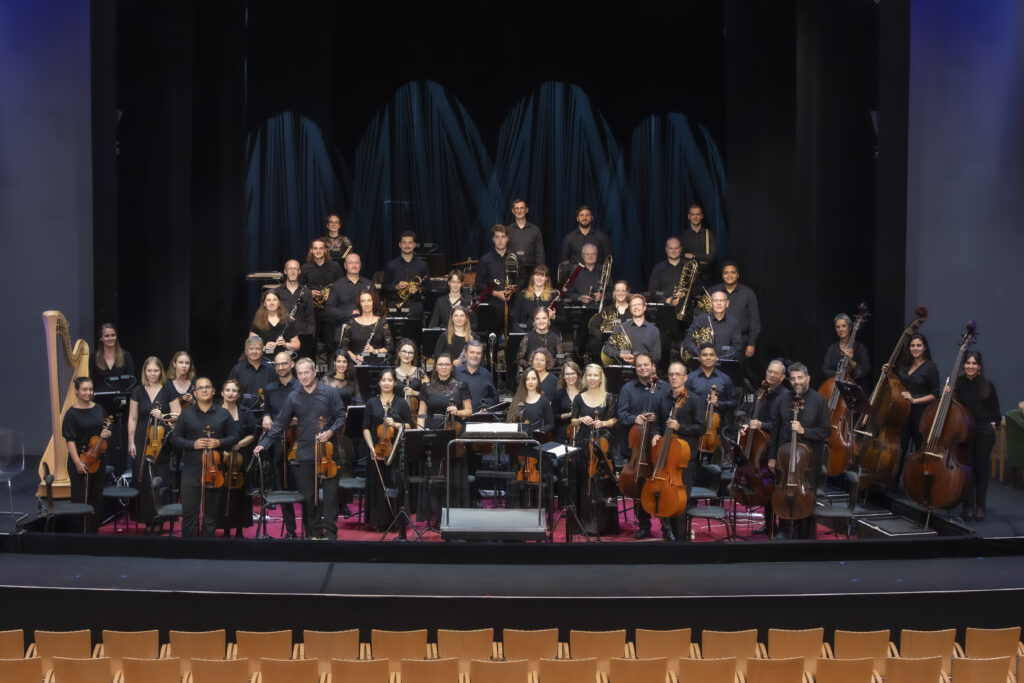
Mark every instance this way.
x=237 y=510
x=408 y=373
x=778 y=394
x=615 y=311
x=859 y=362
x=190 y=437
x=570 y=383
x=442 y=399
x=318 y=273
x=978 y=395
x=572 y=244
x=271 y=323
x=542 y=361
x=253 y=372
x=83 y=421
x=536 y=294
x=179 y=387
x=531 y=407
x=402 y=271
x=344 y=382
x=490 y=269
x=443 y=306
x=637 y=402
x=391 y=410
x=525 y=241
x=594 y=415
x=920 y=378
x=310 y=402
x=666 y=274
x=297 y=302
x=742 y=306
x=477 y=378
x=586 y=288
x=343 y=303
x=145 y=403
x=454 y=341
x=707 y=375
x=277 y=391
x=110 y=360
x=716 y=326
x=699 y=243
x=366 y=339
x=643 y=336
x=540 y=337
x=337 y=244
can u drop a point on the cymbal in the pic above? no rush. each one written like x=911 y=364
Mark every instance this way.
x=467 y=262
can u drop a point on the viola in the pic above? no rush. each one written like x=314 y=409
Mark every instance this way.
x=156 y=432
x=710 y=441
x=752 y=473
x=97 y=447
x=385 y=437
x=213 y=477
x=638 y=469
x=326 y=468
x=600 y=466
x=664 y=493
x=793 y=497
x=839 y=447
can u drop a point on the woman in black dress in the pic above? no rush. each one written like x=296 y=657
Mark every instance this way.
x=366 y=339
x=570 y=383
x=596 y=491
x=442 y=399
x=390 y=410
x=454 y=342
x=540 y=337
x=237 y=512
x=344 y=380
x=271 y=324
x=442 y=312
x=859 y=362
x=409 y=375
x=920 y=377
x=84 y=420
x=110 y=360
x=542 y=361
x=145 y=404
x=978 y=396
x=538 y=294
x=532 y=408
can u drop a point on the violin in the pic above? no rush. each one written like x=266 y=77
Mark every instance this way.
x=156 y=432
x=212 y=476
x=839 y=447
x=450 y=422
x=291 y=441
x=385 y=437
x=528 y=471
x=600 y=466
x=326 y=468
x=638 y=468
x=664 y=493
x=710 y=441
x=793 y=498
x=97 y=447
x=755 y=479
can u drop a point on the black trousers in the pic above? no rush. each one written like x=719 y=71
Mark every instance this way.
x=277 y=483
x=320 y=509
x=978 y=454
x=194 y=499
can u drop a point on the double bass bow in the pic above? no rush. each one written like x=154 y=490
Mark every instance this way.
x=638 y=469
x=664 y=493
x=839 y=445
x=793 y=497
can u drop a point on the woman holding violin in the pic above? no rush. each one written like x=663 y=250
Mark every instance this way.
x=148 y=435
x=594 y=416
x=977 y=394
x=86 y=427
x=444 y=403
x=409 y=375
x=237 y=510
x=367 y=339
x=570 y=383
x=344 y=380
x=859 y=364
x=272 y=325
x=532 y=408
x=384 y=415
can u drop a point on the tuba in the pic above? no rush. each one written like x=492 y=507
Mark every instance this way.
x=408 y=290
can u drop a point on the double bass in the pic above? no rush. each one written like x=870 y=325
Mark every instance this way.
x=934 y=476
x=839 y=446
x=878 y=434
x=793 y=497
x=757 y=481
x=638 y=469
x=664 y=493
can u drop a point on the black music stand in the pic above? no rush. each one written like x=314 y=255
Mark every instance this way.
x=411 y=439
x=419 y=446
x=114 y=396
x=409 y=328
x=855 y=398
x=429 y=338
x=368 y=378
x=567 y=483
x=616 y=377
x=512 y=344
x=577 y=319
x=487 y=317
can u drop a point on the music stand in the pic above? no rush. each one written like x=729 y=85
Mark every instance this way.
x=411 y=439
x=512 y=343
x=856 y=400
x=616 y=377
x=577 y=317
x=429 y=338
x=407 y=327
x=562 y=454
x=368 y=377
x=419 y=445
x=486 y=317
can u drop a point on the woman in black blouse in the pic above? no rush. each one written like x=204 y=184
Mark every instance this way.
x=442 y=312
x=540 y=337
x=532 y=408
x=84 y=420
x=594 y=415
x=454 y=342
x=392 y=410
x=978 y=396
x=920 y=377
x=271 y=324
x=859 y=362
x=542 y=361
x=538 y=294
x=570 y=383
x=144 y=404
x=110 y=360
x=367 y=337
x=344 y=380
x=444 y=397
x=237 y=512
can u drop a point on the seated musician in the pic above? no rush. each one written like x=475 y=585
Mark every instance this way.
x=717 y=328
x=271 y=323
x=401 y=272
x=391 y=410
x=477 y=378
x=444 y=402
x=253 y=372
x=614 y=312
x=538 y=294
x=410 y=376
x=586 y=288
x=594 y=414
x=640 y=335
x=338 y=245
x=297 y=301
x=275 y=466
x=490 y=269
x=190 y=435
x=458 y=335
x=343 y=303
x=309 y=404
x=742 y=306
x=541 y=336
x=665 y=276
x=110 y=360
x=319 y=272
x=707 y=376
x=857 y=354
x=83 y=421
x=366 y=339
x=637 y=402
x=443 y=306
x=776 y=393
x=542 y=361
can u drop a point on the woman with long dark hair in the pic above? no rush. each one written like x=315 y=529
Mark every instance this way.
x=83 y=421
x=367 y=337
x=978 y=395
x=388 y=409
x=272 y=325
x=237 y=512
x=444 y=399
x=920 y=377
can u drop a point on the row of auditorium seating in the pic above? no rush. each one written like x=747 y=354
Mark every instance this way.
x=535 y=656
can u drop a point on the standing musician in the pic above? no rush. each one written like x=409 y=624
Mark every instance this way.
x=537 y=294
x=110 y=360
x=700 y=381
x=367 y=339
x=638 y=401
x=642 y=336
x=308 y=404
x=297 y=302
x=525 y=241
x=491 y=268
x=145 y=404
x=237 y=510
x=190 y=435
x=570 y=384
x=444 y=399
x=978 y=395
x=408 y=373
x=477 y=378
x=319 y=273
x=717 y=327
x=337 y=244
x=277 y=392
x=253 y=372
x=859 y=361
x=443 y=306
x=919 y=376
x=272 y=324
x=403 y=272
x=391 y=411
x=344 y=382
x=343 y=303
x=615 y=312
x=572 y=244
x=742 y=306
x=531 y=407
x=179 y=386
x=665 y=275
x=459 y=334
x=812 y=427
x=699 y=243
x=540 y=337
x=594 y=415
x=778 y=394
x=83 y=421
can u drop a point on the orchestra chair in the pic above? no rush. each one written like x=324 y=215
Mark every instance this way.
x=168 y=512
x=466 y=646
x=713 y=508
x=532 y=646
x=739 y=645
x=788 y=670
x=278 y=498
x=123 y=496
x=80 y=670
x=218 y=671
x=398 y=645
x=430 y=671
x=255 y=645
x=189 y=645
x=290 y=671
x=508 y=671
x=68 y=644
x=353 y=488
x=654 y=670
x=721 y=670
x=12 y=463
x=21 y=670
x=567 y=671
x=984 y=669
x=915 y=670
x=12 y=644
x=50 y=509
x=150 y=670
x=858 y=644
x=918 y=644
x=673 y=645
x=860 y=670
x=807 y=643
x=985 y=643
x=117 y=645
x=599 y=645
x=842 y=512
x=360 y=670
x=328 y=645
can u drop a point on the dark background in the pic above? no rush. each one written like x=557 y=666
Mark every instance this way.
x=816 y=208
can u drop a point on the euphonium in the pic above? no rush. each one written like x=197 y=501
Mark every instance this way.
x=686 y=279
x=408 y=290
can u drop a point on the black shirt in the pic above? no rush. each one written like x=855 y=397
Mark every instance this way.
x=572 y=245
x=701 y=244
x=81 y=424
x=399 y=270
x=743 y=307
x=979 y=397
x=192 y=425
x=305 y=322
x=664 y=280
x=491 y=267
x=277 y=393
x=308 y=407
x=100 y=373
x=725 y=334
x=481 y=386
x=318 y=277
x=344 y=299
x=253 y=379
x=587 y=282
x=860 y=356
x=526 y=243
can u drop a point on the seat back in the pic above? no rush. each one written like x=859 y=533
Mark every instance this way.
x=599 y=645
x=465 y=645
x=138 y=644
x=328 y=645
x=150 y=670
x=430 y=670
x=189 y=645
x=921 y=644
x=982 y=669
x=858 y=644
x=219 y=670
x=255 y=645
x=12 y=644
x=21 y=670
x=672 y=645
x=739 y=645
x=859 y=670
x=398 y=645
x=509 y=671
x=913 y=669
x=708 y=670
x=788 y=670
x=288 y=670
x=69 y=644
x=567 y=670
x=12 y=454
x=992 y=642
x=361 y=671
x=787 y=643
x=532 y=646
x=76 y=670
x=621 y=670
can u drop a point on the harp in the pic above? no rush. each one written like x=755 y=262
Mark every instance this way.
x=64 y=362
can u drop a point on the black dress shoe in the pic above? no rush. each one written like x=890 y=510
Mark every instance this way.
x=666 y=533
x=642 y=533
x=761 y=531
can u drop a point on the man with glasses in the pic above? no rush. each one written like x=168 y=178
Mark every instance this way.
x=400 y=273
x=277 y=392
x=202 y=426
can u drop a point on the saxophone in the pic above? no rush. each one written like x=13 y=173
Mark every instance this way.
x=407 y=291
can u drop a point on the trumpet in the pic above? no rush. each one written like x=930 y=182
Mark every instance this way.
x=408 y=290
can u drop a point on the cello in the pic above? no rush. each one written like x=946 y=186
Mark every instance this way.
x=839 y=446
x=793 y=497
x=757 y=481
x=664 y=493
x=877 y=435
x=934 y=476
x=638 y=469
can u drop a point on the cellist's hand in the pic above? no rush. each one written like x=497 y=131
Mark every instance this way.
x=797 y=427
x=672 y=424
